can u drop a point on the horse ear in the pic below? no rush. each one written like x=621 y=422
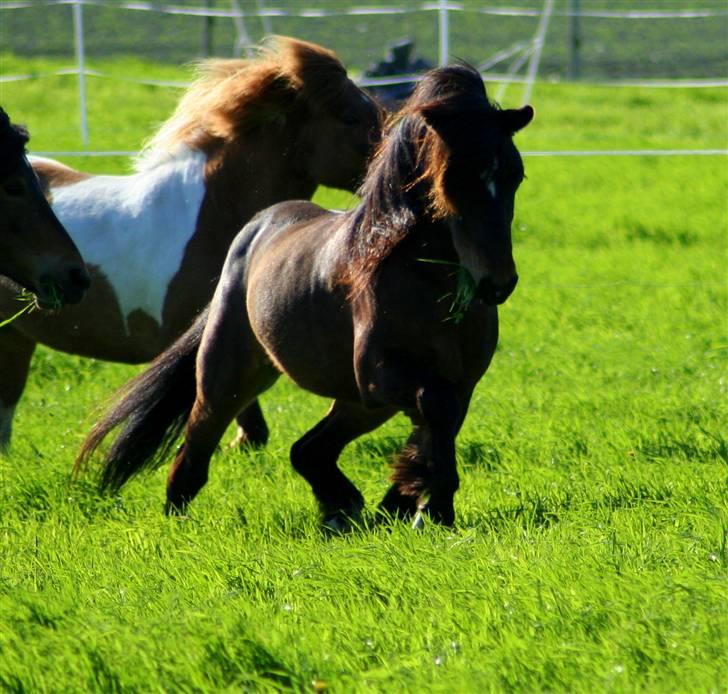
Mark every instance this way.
x=518 y=118
x=438 y=116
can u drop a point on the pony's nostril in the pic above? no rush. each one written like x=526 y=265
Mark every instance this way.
x=79 y=277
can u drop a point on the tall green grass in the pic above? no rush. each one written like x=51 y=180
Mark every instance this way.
x=591 y=552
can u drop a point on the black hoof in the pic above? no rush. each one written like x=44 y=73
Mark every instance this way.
x=397 y=505
x=341 y=522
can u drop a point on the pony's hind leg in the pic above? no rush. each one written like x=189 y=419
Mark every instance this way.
x=314 y=456
x=219 y=399
x=16 y=352
x=231 y=372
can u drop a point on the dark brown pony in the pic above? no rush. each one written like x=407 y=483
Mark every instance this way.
x=366 y=307
x=36 y=252
x=247 y=134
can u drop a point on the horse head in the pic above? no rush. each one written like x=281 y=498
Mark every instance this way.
x=474 y=171
x=296 y=96
x=35 y=249
x=340 y=123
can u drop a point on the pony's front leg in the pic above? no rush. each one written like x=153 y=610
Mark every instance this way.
x=425 y=474
x=16 y=352
x=440 y=408
x=314 y=457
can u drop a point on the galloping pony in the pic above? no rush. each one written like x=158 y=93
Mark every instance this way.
x=247 y=134
x=36 y=252
x=389 y=307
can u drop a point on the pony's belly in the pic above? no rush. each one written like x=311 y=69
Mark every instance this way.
x=309 y=340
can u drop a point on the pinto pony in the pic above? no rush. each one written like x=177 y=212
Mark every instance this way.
x=364 y=307
x=36 y=252
x=247 y=134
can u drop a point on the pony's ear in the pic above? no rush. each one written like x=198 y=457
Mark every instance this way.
x=516 y=119
x=434 y=115
x=439 y=117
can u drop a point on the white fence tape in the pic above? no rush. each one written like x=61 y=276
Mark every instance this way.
x=493 y=77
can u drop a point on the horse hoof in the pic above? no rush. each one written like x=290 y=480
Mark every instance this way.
x=247 y=443
x=336 y=524
x=175 y=510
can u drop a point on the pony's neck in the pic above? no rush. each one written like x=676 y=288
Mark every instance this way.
x=247 y=177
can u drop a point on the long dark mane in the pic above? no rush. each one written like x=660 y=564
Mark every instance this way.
x=406 y=179
x=13 y=139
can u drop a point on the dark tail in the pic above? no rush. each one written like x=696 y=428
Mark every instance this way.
x=151 y=409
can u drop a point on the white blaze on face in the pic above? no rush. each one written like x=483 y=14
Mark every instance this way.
x=467 y=251
x=487 y=177
x=135 y=228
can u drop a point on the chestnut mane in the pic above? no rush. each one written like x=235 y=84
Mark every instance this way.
x=405 y=183
x=232 y=96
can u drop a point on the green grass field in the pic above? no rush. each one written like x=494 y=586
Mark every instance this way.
x=591 y=552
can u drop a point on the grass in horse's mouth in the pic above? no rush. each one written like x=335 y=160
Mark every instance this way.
x=465 y=289
x=30 y=301
x=53 y=300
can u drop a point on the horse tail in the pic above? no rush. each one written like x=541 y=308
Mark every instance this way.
x=151 y=409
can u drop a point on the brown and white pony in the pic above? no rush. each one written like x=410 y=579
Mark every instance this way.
x=247 y=134
x=365 y=307
x=36 y=252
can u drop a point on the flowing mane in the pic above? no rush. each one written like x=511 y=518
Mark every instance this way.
x=406 y=179
x=232 y=96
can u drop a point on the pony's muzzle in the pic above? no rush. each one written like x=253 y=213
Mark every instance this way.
x=68 y=288
x=495 y=294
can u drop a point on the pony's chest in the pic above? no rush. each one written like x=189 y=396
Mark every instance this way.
x=134 y=230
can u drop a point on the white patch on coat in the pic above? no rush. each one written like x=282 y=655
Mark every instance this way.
x=136 y=228
x=492 y=189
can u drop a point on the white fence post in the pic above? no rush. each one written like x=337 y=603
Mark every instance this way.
x=538 y=42
x=81 y=68
x=574 y=40
x=444 y=32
